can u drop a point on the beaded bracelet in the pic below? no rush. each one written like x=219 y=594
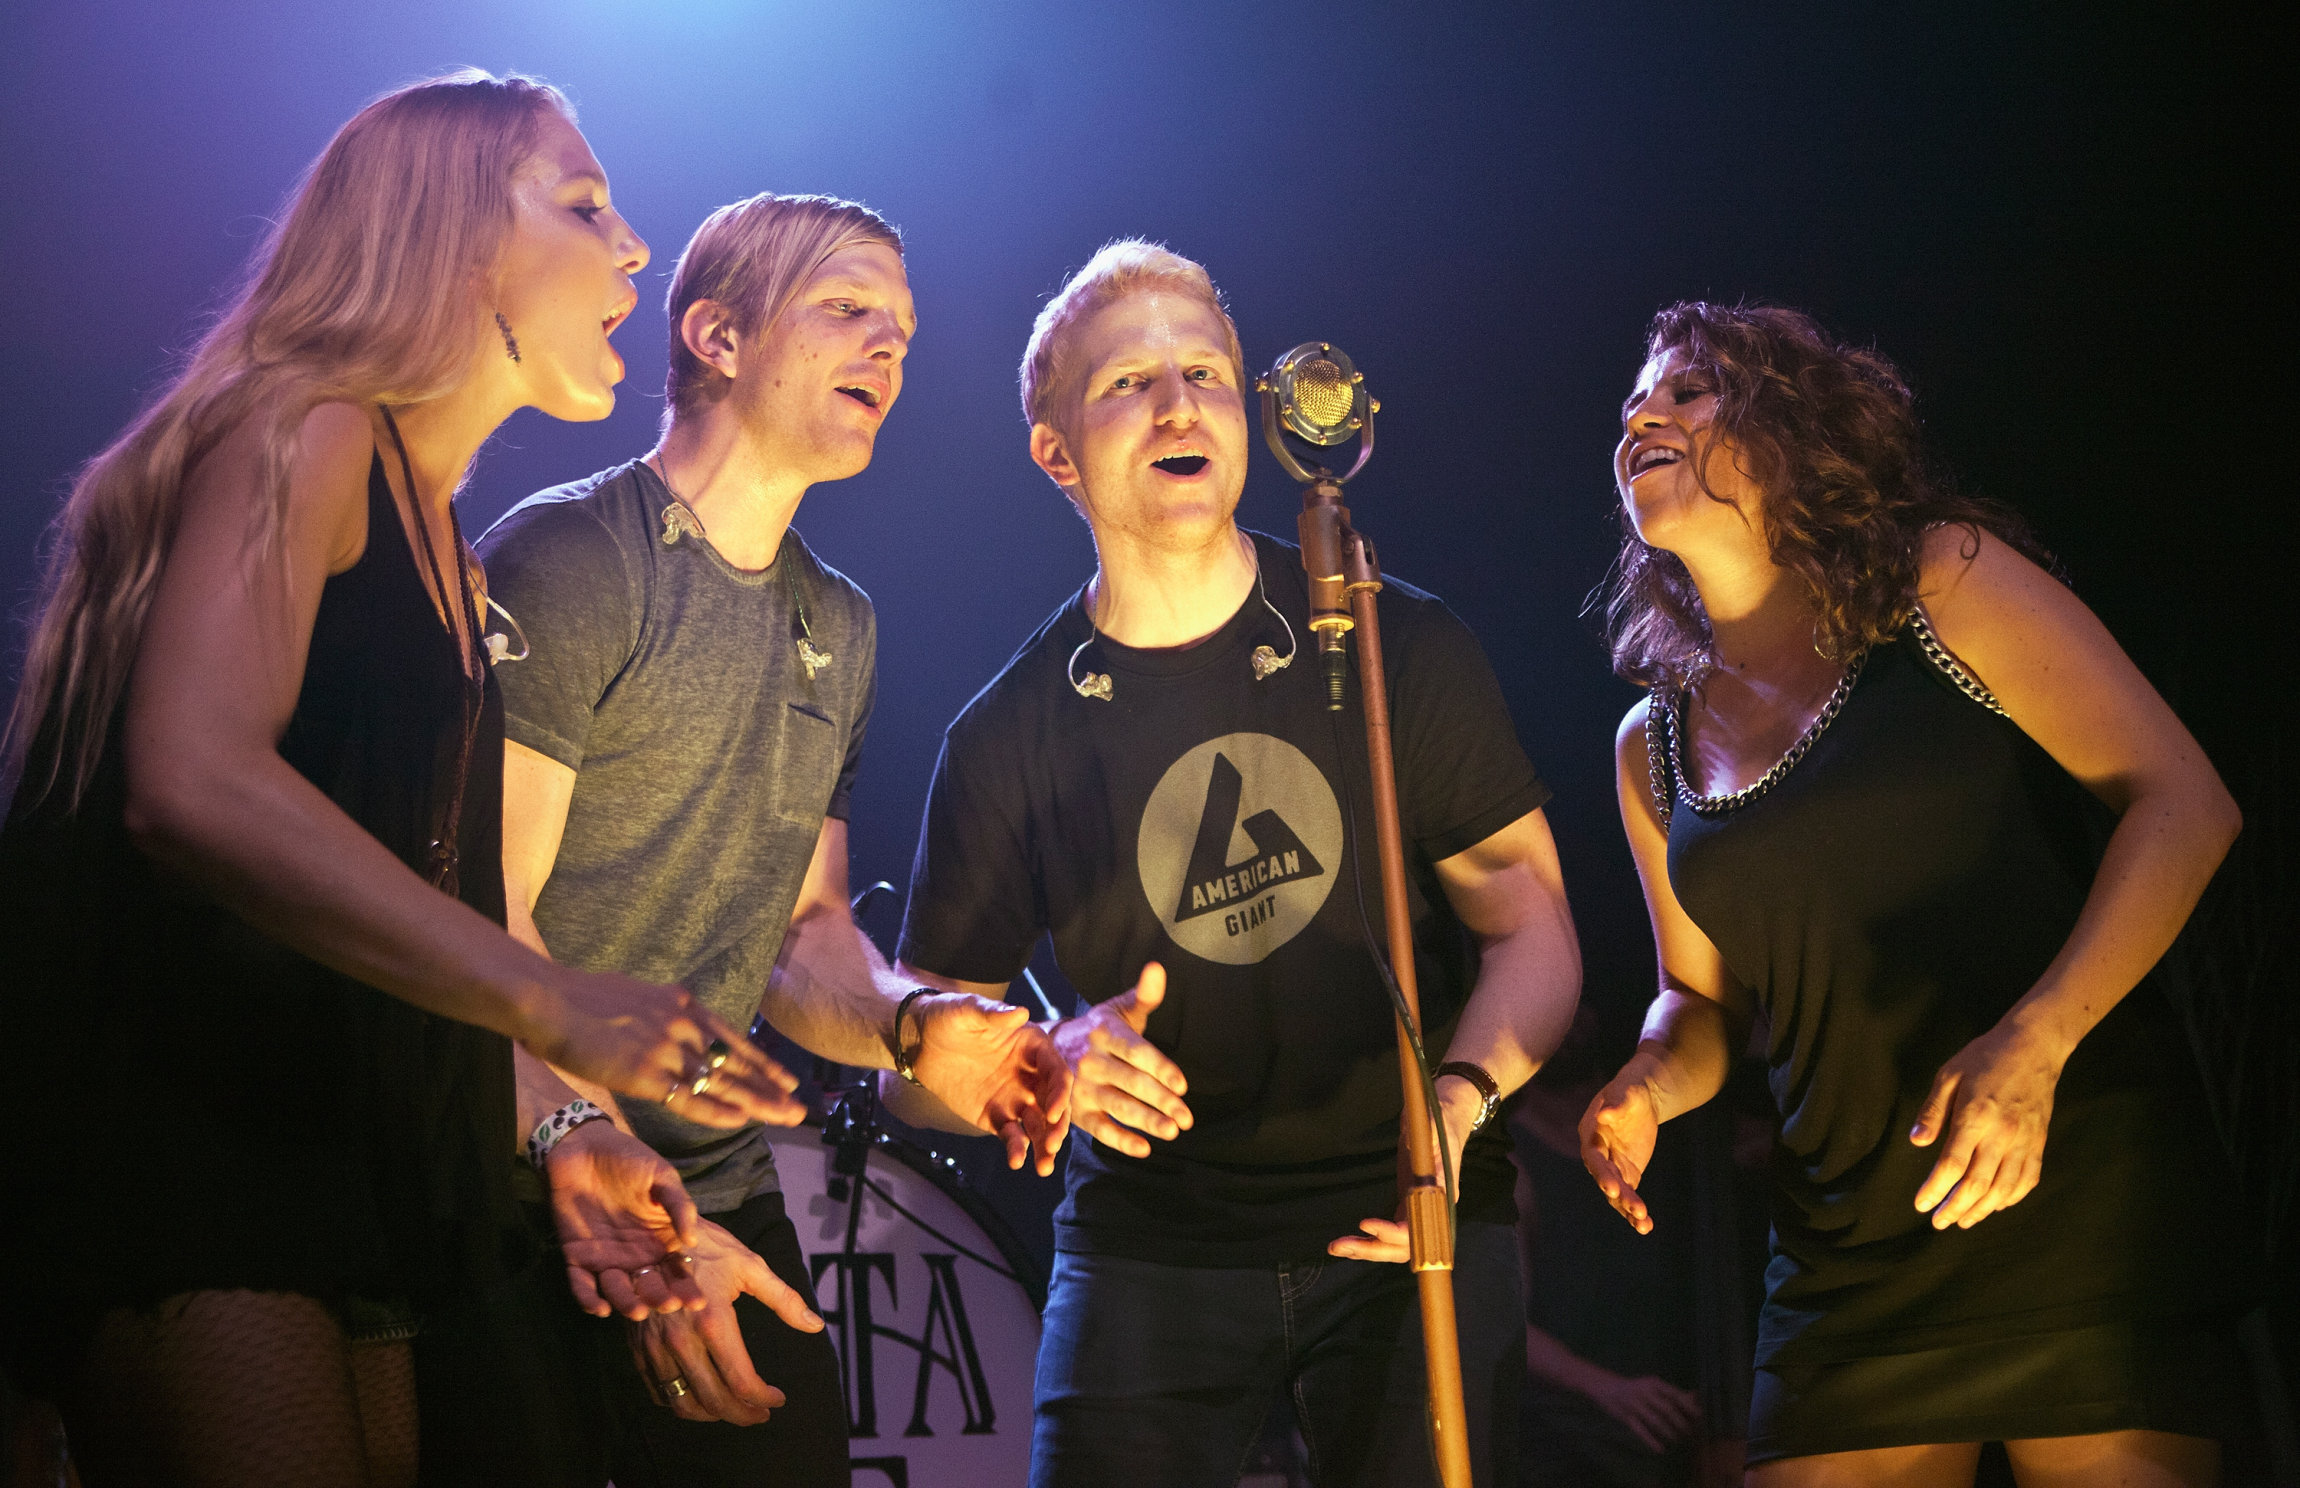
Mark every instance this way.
x=553 y=1129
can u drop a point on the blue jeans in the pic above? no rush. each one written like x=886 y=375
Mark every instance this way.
x=1158 y=1376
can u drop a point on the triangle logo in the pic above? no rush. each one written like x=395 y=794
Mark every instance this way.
x=1238 y=847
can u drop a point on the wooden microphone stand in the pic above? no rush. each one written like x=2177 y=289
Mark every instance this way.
x=1343 y=572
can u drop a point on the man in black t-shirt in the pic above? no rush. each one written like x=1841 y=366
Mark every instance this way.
x=1154 y=783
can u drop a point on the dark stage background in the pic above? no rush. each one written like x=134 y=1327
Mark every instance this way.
x=2047 y=216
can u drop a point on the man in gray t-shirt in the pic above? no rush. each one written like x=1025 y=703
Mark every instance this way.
x=686 y=689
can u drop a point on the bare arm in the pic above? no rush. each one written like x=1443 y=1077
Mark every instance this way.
x=2061 y=676
x=1698 y=1018
x=537 y=790
x=1510 y=893
x=831 y=990
x=1122 y=1089
x=2063 y=679
x=216 y=680
x=986 y=1066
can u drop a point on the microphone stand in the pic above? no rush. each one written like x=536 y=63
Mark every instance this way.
x=1342 y=569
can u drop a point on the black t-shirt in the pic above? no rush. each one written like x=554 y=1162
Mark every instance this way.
x=1193 y=818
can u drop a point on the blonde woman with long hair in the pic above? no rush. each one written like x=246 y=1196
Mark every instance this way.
x=257 y=1027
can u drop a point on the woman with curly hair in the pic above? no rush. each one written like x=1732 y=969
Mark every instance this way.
x=258 y=1009
x=1897 y=792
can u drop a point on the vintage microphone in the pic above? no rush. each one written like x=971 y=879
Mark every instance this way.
x=1313 y=395
x=1315 y=398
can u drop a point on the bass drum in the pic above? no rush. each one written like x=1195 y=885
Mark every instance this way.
x=930 y=1300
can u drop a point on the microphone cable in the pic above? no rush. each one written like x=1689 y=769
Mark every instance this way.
x=1405 y=1016
x=1412 y=1026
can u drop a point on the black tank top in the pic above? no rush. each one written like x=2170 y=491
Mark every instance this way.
x=215 y=1110
x=1888 y=900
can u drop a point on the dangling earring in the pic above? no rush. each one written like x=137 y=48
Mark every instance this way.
x=510 y=342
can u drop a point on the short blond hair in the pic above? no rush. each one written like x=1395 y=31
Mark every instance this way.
x=1126 y=266
x=754 y=256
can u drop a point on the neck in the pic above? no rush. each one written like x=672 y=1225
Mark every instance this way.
x=744 y=499
x=1151 y=596
x=1761 y=620
x=442 y=435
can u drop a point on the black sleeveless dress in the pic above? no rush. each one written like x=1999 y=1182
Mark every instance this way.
x=1887 y=900
x=193 y=1106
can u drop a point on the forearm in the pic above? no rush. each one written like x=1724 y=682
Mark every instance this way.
x=1528 y=984
x=540 y=1088
x=271 y=847
x=544 y=1087
x=920 y=1107
x=1684 y=1052
x=2163 y=853
x=1550 y=1361
x=832 y=992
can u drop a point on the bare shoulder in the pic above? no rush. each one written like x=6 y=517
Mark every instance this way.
x=327 y=474
x=334 y=448
x=1962 y=567
x=1633 y=764
x=1629 y=738
x=327 y=482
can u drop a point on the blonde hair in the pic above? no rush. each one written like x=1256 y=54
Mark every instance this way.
x=754 y=256
x=367 y=290
x=1120 y=268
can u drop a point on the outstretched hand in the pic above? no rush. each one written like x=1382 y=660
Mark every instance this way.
x=620 y=1209
x=1994 y=1098
x=992 y=1066
x=1617 y=1136
x=1125 y=1090
x=702 y=1346
x=1390 y=1240
x=637 y=1038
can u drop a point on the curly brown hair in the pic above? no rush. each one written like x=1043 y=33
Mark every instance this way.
x=1829 y=434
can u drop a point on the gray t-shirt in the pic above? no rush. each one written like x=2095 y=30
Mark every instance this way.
x=706 y=756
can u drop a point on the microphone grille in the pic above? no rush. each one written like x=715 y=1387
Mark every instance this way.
x=1323 y=394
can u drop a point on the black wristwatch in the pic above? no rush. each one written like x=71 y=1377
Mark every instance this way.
x=906 y=1055
x=1487 y=1087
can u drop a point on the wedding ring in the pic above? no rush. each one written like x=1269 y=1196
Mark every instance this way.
x=702 y=1085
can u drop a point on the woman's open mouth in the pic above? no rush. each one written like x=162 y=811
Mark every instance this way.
x=1652 y=457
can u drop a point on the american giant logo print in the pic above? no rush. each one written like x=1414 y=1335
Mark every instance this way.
x=1238 y=847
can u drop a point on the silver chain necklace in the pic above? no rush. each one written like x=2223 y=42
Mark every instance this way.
x=1664 y=728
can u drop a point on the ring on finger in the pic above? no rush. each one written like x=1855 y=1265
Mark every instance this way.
x=715 y=1053
x=675 y=1387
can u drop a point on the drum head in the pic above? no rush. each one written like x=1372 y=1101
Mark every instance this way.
x=932 y=1305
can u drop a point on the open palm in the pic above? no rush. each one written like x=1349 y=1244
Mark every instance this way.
x=993 y=1067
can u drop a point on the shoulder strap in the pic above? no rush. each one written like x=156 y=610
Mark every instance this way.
x=1660 y=771
x=1947 y=665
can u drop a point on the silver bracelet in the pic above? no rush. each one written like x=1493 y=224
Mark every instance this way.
x=553 y=1129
